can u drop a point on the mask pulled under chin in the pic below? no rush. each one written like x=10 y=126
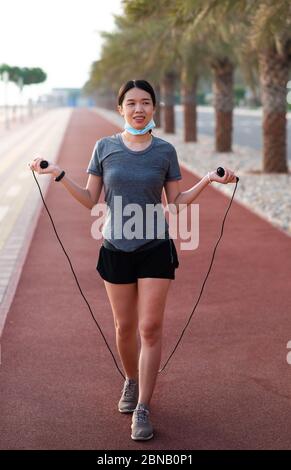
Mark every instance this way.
x=134 y=131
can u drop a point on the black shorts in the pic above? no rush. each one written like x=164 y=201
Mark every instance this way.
x=121 y=267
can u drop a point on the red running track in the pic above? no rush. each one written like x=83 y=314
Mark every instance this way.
x=228 y=385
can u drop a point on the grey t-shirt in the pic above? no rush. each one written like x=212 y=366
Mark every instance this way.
x=133 y=183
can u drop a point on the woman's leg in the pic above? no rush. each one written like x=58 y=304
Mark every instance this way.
x=152 y=294
x=123 y=301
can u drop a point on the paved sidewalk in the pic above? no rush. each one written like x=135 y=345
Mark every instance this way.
x=19 y=203
x=228 y=385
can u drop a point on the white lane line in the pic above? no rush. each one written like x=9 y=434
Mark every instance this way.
x=13 y=190
x=3 y=211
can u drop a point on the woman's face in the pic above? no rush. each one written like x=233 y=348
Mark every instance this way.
x=137 y=108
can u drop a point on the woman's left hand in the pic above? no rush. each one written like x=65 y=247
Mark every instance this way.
x=229 y=176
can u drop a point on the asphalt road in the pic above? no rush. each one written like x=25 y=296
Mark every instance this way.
x=247 y=129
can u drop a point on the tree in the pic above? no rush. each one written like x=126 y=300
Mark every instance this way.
x=134 y=50
x=271 y=39
x=214 y=26
x=163 y=59
x=28 y=76
x=200 y=44
x=266 y=28
x=122 y=59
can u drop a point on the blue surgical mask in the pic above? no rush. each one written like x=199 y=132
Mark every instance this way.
x=134 y=131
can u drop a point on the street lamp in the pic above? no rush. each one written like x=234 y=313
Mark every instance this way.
x=20 y=86
x=5 y=78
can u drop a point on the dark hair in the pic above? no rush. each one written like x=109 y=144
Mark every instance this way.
x=142 y=84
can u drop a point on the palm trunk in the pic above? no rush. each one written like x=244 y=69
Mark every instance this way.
x=188 y=97
x=274 y=78
x=157 y=115
x=223 y=103
x=168 y=88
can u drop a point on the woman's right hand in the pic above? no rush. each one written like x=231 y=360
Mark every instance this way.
x=35 y=166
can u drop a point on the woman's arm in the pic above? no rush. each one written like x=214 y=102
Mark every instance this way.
x=176 y=197
x=88 y=196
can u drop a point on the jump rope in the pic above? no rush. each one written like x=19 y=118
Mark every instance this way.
x=220 y=172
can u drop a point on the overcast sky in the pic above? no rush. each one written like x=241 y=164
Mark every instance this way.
x=60 y=36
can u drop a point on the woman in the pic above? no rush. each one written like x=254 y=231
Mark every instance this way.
x=134 y=166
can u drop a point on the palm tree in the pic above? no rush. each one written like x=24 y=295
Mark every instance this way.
x=189 y=84
x=121 y=60
x=223 y=69
x=161 y=11
x=271 y=39
x=168 y=93
x=259 y=43
x=220 y=40
x=157 y=116
x=266 y=28
x=159 y=42
x=198 y=32
x=193 y=67
x=123 y=57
